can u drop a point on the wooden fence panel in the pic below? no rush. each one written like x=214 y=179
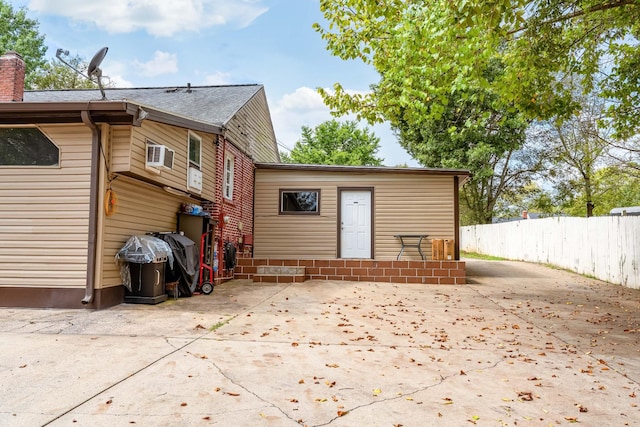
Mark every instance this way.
x=607 y=248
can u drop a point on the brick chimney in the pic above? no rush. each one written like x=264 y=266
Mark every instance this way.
x=12 y=71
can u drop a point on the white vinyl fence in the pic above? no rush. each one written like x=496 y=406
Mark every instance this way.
x=607 y=248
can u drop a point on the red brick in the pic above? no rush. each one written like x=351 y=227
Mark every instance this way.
x=461 y=280
x=382 y=279
x=360 y=271
x=430 y=280
x=400 y=264
x=328 y=271
x=275 y=262
x=414 y=279
x=441 y=273
x=447 y=281
x=449 y=264
x=269 y=279
x=375 y=271
x=335 y=277
x=312 y=270
x=352 y=263
x=306 y=262
x=432 y=264
x=352 y=278
x=321 y=263
x=424 y=272
x=343 y=271
x=412 y=272
x=245 y=261
x=398 y=279
x=391 y=271
x=457 y=273
x=290 y=262
x=241 y=276
x=337 y=263
x=384 y=264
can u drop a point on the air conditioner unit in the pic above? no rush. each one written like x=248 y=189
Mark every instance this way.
x=195 y=179
x=159 y=156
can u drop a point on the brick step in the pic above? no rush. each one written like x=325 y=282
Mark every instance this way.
x=279 y=274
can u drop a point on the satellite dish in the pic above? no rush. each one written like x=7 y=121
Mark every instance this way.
x=94 y=68
x=96 y=61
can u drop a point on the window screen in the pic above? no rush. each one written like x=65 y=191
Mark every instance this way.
x=300 y=202
x=27 y=147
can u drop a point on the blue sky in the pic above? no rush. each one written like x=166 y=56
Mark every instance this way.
x=209 y=42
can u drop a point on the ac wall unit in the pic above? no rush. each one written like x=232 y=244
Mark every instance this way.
x=195 y=179
x=159 y=156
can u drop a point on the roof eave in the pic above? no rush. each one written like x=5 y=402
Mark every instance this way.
x=112 y=112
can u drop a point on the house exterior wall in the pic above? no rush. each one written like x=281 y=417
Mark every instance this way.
x=129 y=155
x=251 y=130
x=240 y=208
x=402 y=203
x=142 y=208
x=44 y=216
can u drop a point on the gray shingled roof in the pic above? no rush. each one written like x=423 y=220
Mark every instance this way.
x=208 y=104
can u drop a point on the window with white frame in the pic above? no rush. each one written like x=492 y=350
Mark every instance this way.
x=229 y=160
x=195 y=150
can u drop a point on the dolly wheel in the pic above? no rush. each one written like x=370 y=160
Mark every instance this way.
x=207 y=288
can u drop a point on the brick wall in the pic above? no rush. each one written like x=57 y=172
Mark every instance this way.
x=427 y=272
x=239 y=209
x=12 y=71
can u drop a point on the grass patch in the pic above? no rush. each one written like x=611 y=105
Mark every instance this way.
x=474 y=255
x=221 y=323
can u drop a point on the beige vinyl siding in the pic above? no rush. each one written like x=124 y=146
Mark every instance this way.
x=403 y=203
x=251 y=130
x=142 y=208
x=120 y=148
x=129 y=155
x=44 y=216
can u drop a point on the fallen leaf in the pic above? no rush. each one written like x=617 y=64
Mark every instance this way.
x=525 y=396
x=571 y=419
x=206 y=418
x=183 y=404
x=109 y=402
x=294 y=344
x=23 y=366
x=342 y=413
x=447 y=401
x=232 y=394
x=199 y=326
x=319 y=399
x=333 y=365
x=377 y=392
x=301 y=382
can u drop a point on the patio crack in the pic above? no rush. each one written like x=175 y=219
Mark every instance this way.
x=442 y=380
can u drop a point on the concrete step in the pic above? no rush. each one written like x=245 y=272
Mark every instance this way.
x=280 y=274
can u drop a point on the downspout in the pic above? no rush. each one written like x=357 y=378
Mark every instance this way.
x=93 y=205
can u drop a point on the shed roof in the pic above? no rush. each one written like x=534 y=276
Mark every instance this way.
x=462 y=173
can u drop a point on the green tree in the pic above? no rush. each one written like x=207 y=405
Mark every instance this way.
x=335 y=143
x=578 y=147
x=472 y=133
x=426 y=51
x=56 y=75
x=20 y=34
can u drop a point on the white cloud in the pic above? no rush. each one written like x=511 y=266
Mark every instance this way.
x=218 y=79
x=113 y=72
x=157 y=17
x=305 y=107
x=162 y=63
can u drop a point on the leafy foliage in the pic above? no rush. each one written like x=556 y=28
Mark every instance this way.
x=426 y=51
x=56 y=75
x=20 y=34
x=335 y=143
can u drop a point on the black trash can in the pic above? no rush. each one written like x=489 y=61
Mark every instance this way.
x=147 y=282
x=142 y=267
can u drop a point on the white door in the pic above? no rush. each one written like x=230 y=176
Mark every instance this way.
x=355 y=224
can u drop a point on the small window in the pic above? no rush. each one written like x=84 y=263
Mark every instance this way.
x=195 y=149
x=229 y=160
x=27 y=147
x=304 y=202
